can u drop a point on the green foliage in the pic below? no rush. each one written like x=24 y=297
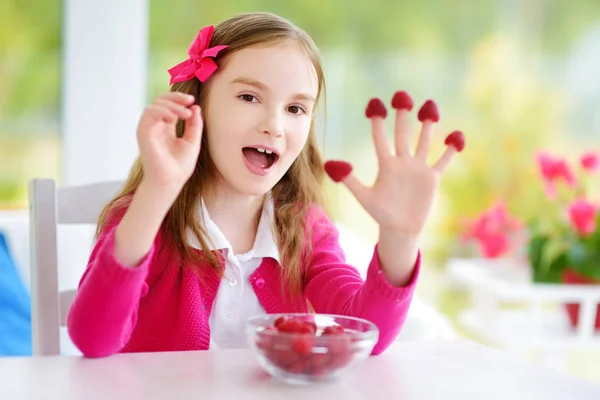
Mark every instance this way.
x=30 y=32
x=584 y=255
x=29 y=62
x=551 y=253
x=547 y=258
x=555 y=245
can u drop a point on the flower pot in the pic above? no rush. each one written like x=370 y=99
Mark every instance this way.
x=572 y=277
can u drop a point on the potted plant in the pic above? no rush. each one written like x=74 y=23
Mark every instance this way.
x=562 y=244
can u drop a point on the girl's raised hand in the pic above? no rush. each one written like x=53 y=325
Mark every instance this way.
x=401 y=198
x=168 y=160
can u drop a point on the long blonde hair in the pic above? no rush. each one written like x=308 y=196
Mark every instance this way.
x=298 y=189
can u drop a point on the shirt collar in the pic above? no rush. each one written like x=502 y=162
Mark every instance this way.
x=265 y=244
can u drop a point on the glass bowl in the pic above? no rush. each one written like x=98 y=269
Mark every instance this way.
x=305 y=348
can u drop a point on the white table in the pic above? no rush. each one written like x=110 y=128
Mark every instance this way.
x=541 y=323
x=408 y=370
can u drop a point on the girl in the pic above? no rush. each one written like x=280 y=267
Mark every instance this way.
x=221 y=216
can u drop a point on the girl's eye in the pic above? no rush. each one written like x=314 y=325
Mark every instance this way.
x=296 y=110
x=247 y=97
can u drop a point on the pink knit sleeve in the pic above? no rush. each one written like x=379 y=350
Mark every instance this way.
x=332 y=286
x=104 y=311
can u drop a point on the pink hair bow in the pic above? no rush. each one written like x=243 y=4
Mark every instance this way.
x=199 y=64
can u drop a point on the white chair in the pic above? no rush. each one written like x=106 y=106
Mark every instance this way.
x=50 y=206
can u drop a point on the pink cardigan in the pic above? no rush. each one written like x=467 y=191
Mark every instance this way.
x=162 y=306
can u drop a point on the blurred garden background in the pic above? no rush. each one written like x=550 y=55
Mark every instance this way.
x=516 y=76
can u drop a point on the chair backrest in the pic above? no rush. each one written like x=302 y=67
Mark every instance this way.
x=50 y=206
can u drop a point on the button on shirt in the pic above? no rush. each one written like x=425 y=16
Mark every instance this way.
x=236 y=301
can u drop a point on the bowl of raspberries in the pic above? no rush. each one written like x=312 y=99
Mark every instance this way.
x=305 y=348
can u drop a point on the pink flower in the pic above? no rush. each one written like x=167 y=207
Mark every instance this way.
x=553 y=170
x=496 y=218
x=583 y=216
x=494 y=244
x=491 y=230
x=589 y=161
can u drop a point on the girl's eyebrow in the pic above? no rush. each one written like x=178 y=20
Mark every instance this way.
x=262 y=86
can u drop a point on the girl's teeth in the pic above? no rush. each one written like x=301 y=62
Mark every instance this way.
x=261 y=150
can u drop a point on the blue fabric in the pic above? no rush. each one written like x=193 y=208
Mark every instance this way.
x=15 y=307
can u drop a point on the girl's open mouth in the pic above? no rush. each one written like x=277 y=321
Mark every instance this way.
x=259 y=160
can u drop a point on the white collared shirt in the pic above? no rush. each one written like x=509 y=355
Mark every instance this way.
x=236 y=300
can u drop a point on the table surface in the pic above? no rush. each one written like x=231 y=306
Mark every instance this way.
x=407 y=370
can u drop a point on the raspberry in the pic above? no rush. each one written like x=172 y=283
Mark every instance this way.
x=456 y=139
x=429 y=111
x=285 y=358
x=279 y=321
x=338 y=170
x=402 y=101
x=333 y=330
x=290 y=326
x=375 y=108
x=339 y=343
x=303 y=344
x=307 y=327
